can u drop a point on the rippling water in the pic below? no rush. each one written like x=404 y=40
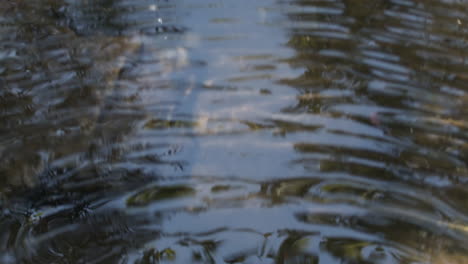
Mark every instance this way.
x=234 y=131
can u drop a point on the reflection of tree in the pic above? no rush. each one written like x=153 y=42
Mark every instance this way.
x=65 y=78
x=63 y=110
x=65 y=113
x=91 y=17
x=363 y=58
x=381 y=66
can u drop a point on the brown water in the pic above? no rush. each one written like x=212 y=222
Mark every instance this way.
x=234 y=131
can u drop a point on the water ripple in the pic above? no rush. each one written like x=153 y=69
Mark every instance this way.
x=243 y=131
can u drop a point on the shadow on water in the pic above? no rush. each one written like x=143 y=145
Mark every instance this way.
x=233 y=131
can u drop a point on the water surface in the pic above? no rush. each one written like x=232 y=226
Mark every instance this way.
x=233 y=131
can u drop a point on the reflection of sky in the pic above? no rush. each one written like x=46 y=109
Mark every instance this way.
x=240 y=53
x=227 y=31
x=230 y=54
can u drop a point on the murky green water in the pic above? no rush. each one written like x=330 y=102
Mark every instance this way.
x=234 y=131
